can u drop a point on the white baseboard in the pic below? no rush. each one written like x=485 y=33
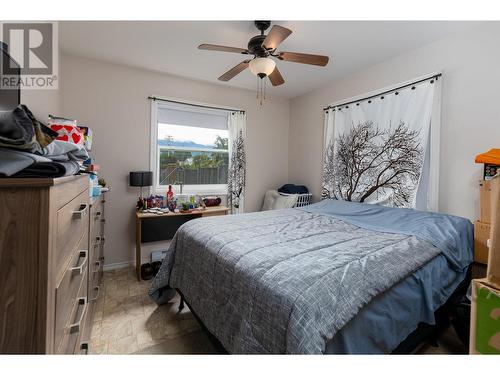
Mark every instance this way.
x=117 y=266
x=120 y=265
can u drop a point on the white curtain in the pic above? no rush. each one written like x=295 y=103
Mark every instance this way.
x=237 y=162
x=378 y=150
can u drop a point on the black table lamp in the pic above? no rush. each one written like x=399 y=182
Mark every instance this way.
x=141 y=178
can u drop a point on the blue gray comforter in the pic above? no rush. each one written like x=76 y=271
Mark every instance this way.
x=286 y=281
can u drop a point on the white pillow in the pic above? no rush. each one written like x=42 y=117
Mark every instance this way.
x=275 y=201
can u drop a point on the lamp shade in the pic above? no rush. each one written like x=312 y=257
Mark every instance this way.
x=141 y=178
x=262 y=65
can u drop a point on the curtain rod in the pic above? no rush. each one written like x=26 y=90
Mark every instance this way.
x=196 y=105
x=436 y=76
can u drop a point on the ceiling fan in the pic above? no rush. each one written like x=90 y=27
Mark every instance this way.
x=262 y=47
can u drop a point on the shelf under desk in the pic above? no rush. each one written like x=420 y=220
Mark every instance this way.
x=152 y=227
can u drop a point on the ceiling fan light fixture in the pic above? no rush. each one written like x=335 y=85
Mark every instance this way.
x=262 y=66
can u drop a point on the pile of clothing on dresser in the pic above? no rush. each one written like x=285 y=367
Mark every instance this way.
x=29 y=148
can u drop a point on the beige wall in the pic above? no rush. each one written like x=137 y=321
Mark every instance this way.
x=112 y=100
x=42 y=102
x=470 y=103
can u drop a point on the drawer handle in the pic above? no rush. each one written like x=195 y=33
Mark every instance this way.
x=98 y=213
x=74 y=328
x=97 y=289
x=101 y=259
x=98 y=264
x=80 y=214
x=79 y=269
x=103 y=220
x=84 y=347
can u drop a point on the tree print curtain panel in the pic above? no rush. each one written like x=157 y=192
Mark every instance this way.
x=236 y=181
x=376 y=150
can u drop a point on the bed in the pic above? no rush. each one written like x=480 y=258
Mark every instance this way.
x=331 y=277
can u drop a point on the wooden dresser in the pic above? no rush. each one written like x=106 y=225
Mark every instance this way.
x=51 y=257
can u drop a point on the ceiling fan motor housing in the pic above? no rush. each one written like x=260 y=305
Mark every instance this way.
x=256 y=48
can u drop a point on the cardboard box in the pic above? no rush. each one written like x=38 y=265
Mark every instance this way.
x=493 y=271
x=485 y=318
x=481 y=236
x=485 y=201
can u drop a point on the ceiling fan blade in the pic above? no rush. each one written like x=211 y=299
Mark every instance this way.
x=276 y=78
x=277 y=35
x=234 y=71
x=216 y=47
x=304 y=58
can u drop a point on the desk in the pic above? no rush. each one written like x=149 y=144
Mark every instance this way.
x=151 y=227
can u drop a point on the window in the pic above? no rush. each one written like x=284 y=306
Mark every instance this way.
x=189 y=148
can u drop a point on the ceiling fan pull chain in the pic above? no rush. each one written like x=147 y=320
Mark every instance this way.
x=257 y=89
x=260 y=102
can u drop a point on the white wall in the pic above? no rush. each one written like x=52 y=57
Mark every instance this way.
x=470 y=62
x=112 y=100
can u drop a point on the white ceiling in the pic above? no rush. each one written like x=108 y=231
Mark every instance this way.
x=171 y=46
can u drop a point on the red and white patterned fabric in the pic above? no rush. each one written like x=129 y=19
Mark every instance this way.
x=68 y=133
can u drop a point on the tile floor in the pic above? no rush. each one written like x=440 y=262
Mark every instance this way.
x=127 y=321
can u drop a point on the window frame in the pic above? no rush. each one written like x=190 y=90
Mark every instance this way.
x=154 y=163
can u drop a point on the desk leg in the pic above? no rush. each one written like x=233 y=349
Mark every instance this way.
x=138 y=248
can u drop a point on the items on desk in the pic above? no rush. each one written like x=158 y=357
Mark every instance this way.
x=160 y=204
x=212 y=201
x=170 y=193
x=186 y=207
